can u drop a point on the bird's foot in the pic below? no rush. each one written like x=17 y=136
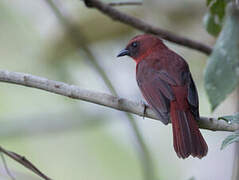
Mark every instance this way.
x=145 y=108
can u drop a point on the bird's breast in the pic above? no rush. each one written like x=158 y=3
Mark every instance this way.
x=145 y=72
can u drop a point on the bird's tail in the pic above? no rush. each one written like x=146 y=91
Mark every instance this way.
x=187 y=138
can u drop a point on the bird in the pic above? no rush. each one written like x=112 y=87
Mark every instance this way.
x=166 y=83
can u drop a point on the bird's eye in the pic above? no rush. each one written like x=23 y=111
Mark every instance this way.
x=134 y=44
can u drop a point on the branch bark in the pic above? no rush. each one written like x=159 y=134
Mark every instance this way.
x=147 y=28
x=103 y=99
x=23 y=161
x=125 y=3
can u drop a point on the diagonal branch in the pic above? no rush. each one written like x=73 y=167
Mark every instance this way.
x=103 y=99
x=147 y=28
x=23 y=161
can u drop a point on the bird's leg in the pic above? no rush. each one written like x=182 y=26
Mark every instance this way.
x=145 y=108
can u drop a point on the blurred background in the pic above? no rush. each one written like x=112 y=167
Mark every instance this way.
x=70 y=139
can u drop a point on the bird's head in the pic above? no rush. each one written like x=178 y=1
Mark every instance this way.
x=141 y=46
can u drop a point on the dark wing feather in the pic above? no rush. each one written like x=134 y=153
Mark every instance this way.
x=156 y=79
x=192 y=96
x=166 y=77
x=158 y=93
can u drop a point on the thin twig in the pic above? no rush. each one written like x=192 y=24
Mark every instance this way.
x=125 y=3
x=147 y=28
x=6 y=167
x=26 y=163
x=103 y=99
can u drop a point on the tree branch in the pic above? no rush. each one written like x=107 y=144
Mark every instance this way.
x=26 y=163
x=125 y=3
x=147 y=28
x=103 y=99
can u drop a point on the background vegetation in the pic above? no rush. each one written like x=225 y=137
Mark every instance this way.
x=70 y=139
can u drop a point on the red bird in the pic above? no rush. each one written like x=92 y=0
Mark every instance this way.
x=167 y=85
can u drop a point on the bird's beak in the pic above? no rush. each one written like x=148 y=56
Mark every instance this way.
x=123 y=52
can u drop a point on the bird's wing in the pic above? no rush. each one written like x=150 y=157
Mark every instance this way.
x=192 y=96
x=158 y=93
x=156 y=85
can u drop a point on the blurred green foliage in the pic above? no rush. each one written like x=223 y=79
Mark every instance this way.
x=222 y=71
x=213 y=20
x=233 y=137
x=231 y=119
x=230 y=139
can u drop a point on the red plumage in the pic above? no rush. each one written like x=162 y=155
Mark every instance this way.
x=166 y=83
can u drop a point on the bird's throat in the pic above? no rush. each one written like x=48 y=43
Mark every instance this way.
x=148 y=52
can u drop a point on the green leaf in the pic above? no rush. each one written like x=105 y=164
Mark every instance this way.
x=231 y=119
x=209 y=2
x=222 y=72
x=210 y=24
x=218 y=8
x=213 y=20
x=229 y=140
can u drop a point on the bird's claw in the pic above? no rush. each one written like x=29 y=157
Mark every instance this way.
x=145 y=108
